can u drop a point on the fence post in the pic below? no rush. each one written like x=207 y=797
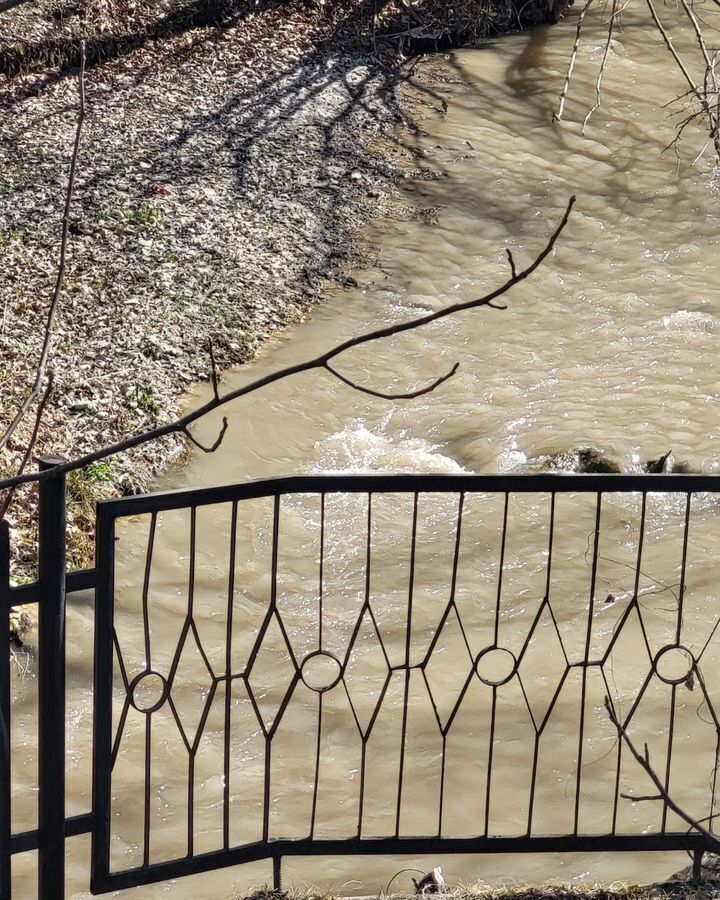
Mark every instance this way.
x=51 y=684
x=5 y=809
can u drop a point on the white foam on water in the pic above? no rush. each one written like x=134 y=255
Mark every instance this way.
x=691 y=322
x=356 y=448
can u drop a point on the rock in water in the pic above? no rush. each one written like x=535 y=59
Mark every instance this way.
x=594 y=461
x=662 y=465
x=580 y=460
x=667 y=465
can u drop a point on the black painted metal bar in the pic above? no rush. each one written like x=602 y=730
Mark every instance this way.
x=24 y=594
x=5 y=778
x=377 y=484
x=365 y=608
x=148 y=668
x=683 y=568
x=25 y=841
x=228 y=675
x=51 y=682
x=103 y=687
x=668 y=759
x=270 y=849
x=273 y=606
x=406 y=666
x=586 y=659
x=208 y=862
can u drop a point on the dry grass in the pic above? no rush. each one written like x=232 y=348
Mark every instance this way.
x=672 y=890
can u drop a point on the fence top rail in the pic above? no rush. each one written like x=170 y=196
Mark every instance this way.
x=544 y=483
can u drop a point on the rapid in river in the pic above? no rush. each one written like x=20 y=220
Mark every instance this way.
x=610 y=344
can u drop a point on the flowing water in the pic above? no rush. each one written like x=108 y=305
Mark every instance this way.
x=610 y=343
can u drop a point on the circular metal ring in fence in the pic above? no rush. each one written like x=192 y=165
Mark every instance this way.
x=674 y=664
x=320 y=671
x=495 y=666
x=148 y=691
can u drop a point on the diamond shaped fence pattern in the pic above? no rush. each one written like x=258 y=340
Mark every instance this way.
x=439 y=718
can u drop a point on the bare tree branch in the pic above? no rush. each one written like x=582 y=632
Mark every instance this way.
x=557 y=116
x=60 y=278
x=639 y=798
x=710 y=115
x=698 y=34
x=644 y=760
x=410 y=395
x=31 y=443
x=705 y=94
x=411 y=12
x=671 y=47
x=213 y=447
x=603 y=63
x=213 y=370
x=181 y=425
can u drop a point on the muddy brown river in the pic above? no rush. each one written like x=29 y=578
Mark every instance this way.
x=612 y=343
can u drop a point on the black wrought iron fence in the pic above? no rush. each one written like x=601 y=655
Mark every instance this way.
x=379 y=665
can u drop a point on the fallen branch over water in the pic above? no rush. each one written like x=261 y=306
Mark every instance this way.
x=182 y=425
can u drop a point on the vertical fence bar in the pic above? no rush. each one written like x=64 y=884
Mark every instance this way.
x=103 y=701
x=277 y=874
x=5 y=808
x=51 y=683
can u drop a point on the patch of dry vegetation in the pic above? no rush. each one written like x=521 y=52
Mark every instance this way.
x=680 y=888
x=47 y=33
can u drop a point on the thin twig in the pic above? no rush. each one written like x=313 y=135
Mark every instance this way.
x=706 y=95
x=644 y=760
x=713 y=123
x=213 y=447
x=603 y=63
x=60 y=278
x=698 y=33
x=213 y=370
x=671 y=47
x=557 y=116
x=31 y=443
x=320 y=362
x=410 y=395
x=710 y=84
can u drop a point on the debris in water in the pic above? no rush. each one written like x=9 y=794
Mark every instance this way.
x=661 y=465
x=432 y=883
x=667 y=465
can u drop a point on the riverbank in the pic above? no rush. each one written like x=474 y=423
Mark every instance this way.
x=214 y=200
x=45 y=35
x=230 y=156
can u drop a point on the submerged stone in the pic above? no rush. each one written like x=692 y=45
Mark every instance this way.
x=579 y=460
